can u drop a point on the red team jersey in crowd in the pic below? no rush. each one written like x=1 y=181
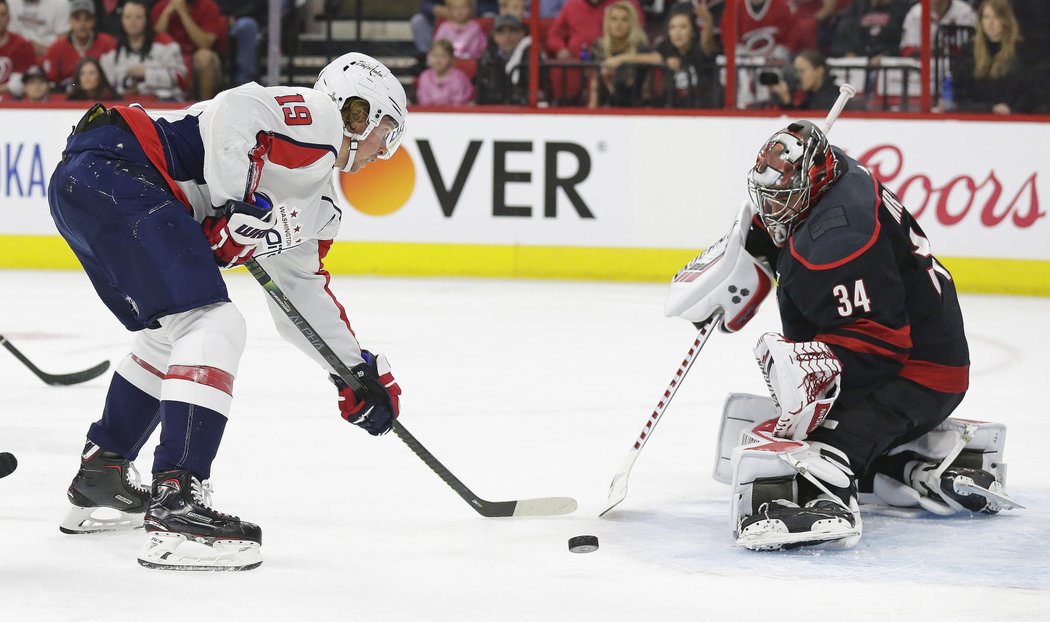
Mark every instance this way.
x=15 y=56
x=206 y=14
x=760 y=29
x=63 y=55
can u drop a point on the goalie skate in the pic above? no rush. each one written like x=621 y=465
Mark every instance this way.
x=106 y=494
x=783 y=525
x=185 y=533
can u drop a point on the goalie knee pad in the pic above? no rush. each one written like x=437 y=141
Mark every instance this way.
x=958 y=466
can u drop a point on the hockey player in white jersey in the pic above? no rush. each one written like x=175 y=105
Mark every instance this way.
x=153 y=208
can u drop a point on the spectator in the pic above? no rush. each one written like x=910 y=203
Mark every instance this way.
x=943 y=13
x=815 y=22
x=513 y=7
x=35 y=85
x=422 y=24
x=42 y=22
x=622 y=47
x=763 y=28
x=443 y=84
x=63 y=55
x=144 y=63
x=691 y=58
x=199 y=29
x=816 y=87
x=16 y=56
x=247 y=17
x=464 y=32
x=90 y=82
x=870 y=28
x=987 y=76
x=503 y=70
x=107 y=16
x=549 y=8
x=578 y=26
x=1033 y=53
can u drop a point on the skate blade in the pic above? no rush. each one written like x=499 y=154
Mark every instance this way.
x=776 y=537
x=996 y=494
x=173 y=551
x=99 y=520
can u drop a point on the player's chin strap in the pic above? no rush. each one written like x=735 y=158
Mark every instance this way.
x=355 y=144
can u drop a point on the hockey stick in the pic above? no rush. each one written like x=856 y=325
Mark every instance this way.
x=618 y=487
x=544 y=506
x=846 y=91
x=57 y=379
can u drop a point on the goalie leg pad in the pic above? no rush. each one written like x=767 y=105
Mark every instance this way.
x=741 y=412
x=766 y=495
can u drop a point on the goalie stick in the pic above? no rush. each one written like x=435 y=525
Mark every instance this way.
x=618 y=487
x=57 y=379
x=543 y=506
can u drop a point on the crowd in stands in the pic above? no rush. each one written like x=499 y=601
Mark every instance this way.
x=103 y=50
x=653 y=53
x=790 y=54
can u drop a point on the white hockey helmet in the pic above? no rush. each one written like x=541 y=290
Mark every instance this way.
x=358 y=75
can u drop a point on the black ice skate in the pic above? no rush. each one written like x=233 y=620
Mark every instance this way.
x=961 y=488
x=106 y=494
x=783 y=525
x=185 y=533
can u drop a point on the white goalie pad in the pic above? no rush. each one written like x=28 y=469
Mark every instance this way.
x=725 y=277
x=953 y=443
x=740 y=413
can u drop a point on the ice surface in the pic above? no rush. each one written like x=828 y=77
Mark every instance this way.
x=522 y=389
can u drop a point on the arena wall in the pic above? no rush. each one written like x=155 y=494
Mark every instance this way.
x=611 y=197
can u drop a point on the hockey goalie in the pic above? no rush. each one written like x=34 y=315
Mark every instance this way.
x=871 y=361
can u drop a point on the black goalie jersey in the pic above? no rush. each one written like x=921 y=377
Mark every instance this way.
x=858 y=275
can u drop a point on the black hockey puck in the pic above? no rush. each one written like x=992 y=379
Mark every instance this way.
x=583 y=544
x=8 y=464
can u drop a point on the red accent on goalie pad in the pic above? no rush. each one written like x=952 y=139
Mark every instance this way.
x=745 y=315
x=202 y=374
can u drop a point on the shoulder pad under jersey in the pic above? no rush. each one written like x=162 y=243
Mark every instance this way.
x=842 y=225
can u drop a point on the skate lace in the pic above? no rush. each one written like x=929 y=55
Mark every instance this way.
x=131 y=476
x=202 y=492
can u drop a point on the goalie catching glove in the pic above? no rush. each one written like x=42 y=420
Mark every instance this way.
x=235 y=234
x=803 y=380
x=380 y=403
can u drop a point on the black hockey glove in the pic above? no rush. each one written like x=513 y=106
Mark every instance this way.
x=380 y=404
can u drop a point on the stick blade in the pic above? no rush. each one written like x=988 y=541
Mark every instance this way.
x=76 y=377
x=618 y=486
x=546 y=506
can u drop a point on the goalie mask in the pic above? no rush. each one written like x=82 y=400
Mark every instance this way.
x=358 y=75
x=793 y=170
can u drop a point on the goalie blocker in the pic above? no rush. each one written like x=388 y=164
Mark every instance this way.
x=790 y=493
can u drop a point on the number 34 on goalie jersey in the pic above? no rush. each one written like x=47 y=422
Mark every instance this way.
x=854 y=298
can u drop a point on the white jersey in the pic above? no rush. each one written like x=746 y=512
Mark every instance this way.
x=958 y=14
x=281 y=142
x=41 y=22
